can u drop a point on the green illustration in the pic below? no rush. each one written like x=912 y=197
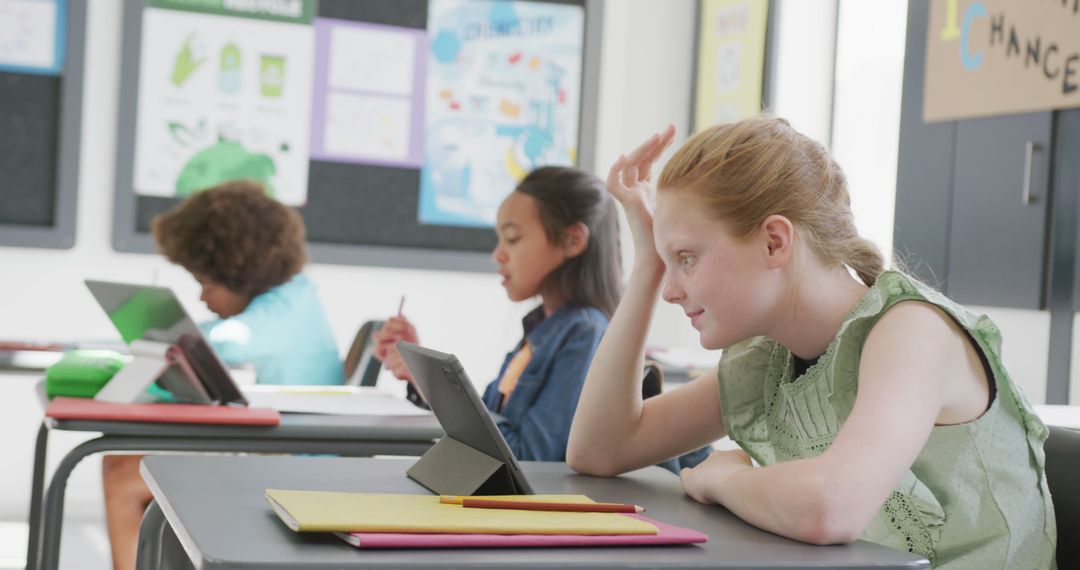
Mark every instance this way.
x=185 y=135
x=229 y=72
x=272 y=75
x=186 y=62
x=222 y=162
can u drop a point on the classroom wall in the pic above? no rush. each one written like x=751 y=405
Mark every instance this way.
x=645 y=83
x=644 y=86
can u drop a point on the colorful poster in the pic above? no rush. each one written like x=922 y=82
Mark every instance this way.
x=32 y=36
x=1001 y=57
x=731 y=60
x=503 y=97
x=224 y=94
x=369 y=94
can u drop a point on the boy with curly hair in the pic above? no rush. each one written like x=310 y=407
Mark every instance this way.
x=247 y=251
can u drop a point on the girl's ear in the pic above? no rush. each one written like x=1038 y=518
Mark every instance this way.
x=779 y=240
x=575 y=238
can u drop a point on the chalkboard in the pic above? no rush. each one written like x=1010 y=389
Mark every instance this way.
x=39 y=149
x=363 y=214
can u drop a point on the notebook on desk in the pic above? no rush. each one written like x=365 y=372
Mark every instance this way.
x=666 y=534
x=322 y=511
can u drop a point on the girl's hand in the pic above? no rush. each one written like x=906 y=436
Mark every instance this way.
x=703 y=482
x=630 y=182
x=395 y=329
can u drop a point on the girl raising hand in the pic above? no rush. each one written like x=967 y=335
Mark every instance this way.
x=876 y=407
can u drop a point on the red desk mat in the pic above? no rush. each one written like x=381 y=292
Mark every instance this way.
x=89 y=409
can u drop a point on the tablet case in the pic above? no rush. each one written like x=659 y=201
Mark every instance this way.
x=451 y=467
x=473 y=458
x=155 y=362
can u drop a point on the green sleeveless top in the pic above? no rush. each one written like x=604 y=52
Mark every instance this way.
x=976 y=497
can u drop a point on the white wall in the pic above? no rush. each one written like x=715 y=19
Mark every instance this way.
x=802 y=77
x=866 y=117
x=646 y=83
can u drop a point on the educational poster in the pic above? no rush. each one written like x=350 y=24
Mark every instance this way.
x=224 y=94
x=503 y=96
x=32 y=36
x=731 y=61
x=369 y=94
x=1001 y=57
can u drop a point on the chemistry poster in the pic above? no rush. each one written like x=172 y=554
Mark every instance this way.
x=503 y=92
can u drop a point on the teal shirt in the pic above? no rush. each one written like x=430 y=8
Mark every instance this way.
x=284 y=334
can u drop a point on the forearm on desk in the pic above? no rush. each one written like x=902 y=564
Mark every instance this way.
x=797 y=499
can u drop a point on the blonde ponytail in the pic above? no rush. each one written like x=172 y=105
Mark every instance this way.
x=749 y=170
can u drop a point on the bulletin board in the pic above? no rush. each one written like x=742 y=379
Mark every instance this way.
x=732 y=60
x=393 y=126
x=41 y=76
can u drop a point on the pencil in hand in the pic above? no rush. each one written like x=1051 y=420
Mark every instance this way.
x=483 y=503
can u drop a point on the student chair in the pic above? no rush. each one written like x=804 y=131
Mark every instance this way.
x=1062 y=466
x=361 y=366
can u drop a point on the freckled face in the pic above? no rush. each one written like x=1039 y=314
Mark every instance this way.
x=722 y=283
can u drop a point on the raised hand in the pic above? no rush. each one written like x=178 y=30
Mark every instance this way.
x=630 y=182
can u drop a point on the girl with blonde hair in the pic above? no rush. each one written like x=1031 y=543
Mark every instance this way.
x=874 y=406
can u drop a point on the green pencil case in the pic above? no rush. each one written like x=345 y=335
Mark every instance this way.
x=82 y=373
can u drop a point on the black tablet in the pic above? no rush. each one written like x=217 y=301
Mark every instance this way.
x=443 y=383
x=146 y=312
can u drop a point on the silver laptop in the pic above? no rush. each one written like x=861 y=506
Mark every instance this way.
x=147 y=312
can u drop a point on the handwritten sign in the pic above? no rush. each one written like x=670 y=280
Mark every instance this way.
x=1000 y=57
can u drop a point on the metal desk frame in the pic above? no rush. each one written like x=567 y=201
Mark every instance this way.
x=353 y=436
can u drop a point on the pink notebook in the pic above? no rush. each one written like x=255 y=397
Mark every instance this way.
x=666 y=534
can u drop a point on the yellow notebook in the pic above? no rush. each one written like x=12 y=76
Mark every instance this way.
x=320 y=511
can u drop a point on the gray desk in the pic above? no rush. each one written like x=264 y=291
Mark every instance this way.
x=297 y=433
x=215 y=517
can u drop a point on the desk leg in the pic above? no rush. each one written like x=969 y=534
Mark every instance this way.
x=159 y=549
x=37 y=485
x=48 y=553
x=53 y=515
x=150 y=530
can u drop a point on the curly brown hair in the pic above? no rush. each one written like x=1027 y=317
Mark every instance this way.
x=235 y=235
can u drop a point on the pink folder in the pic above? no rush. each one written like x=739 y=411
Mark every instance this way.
x=666 y=534
x=90 y=409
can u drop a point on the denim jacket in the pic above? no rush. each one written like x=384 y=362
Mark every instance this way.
x=536 y=418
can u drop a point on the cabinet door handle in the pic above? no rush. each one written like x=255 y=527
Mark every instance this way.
x=1029 y=159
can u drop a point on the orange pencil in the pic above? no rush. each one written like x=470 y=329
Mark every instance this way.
x=482 y=503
